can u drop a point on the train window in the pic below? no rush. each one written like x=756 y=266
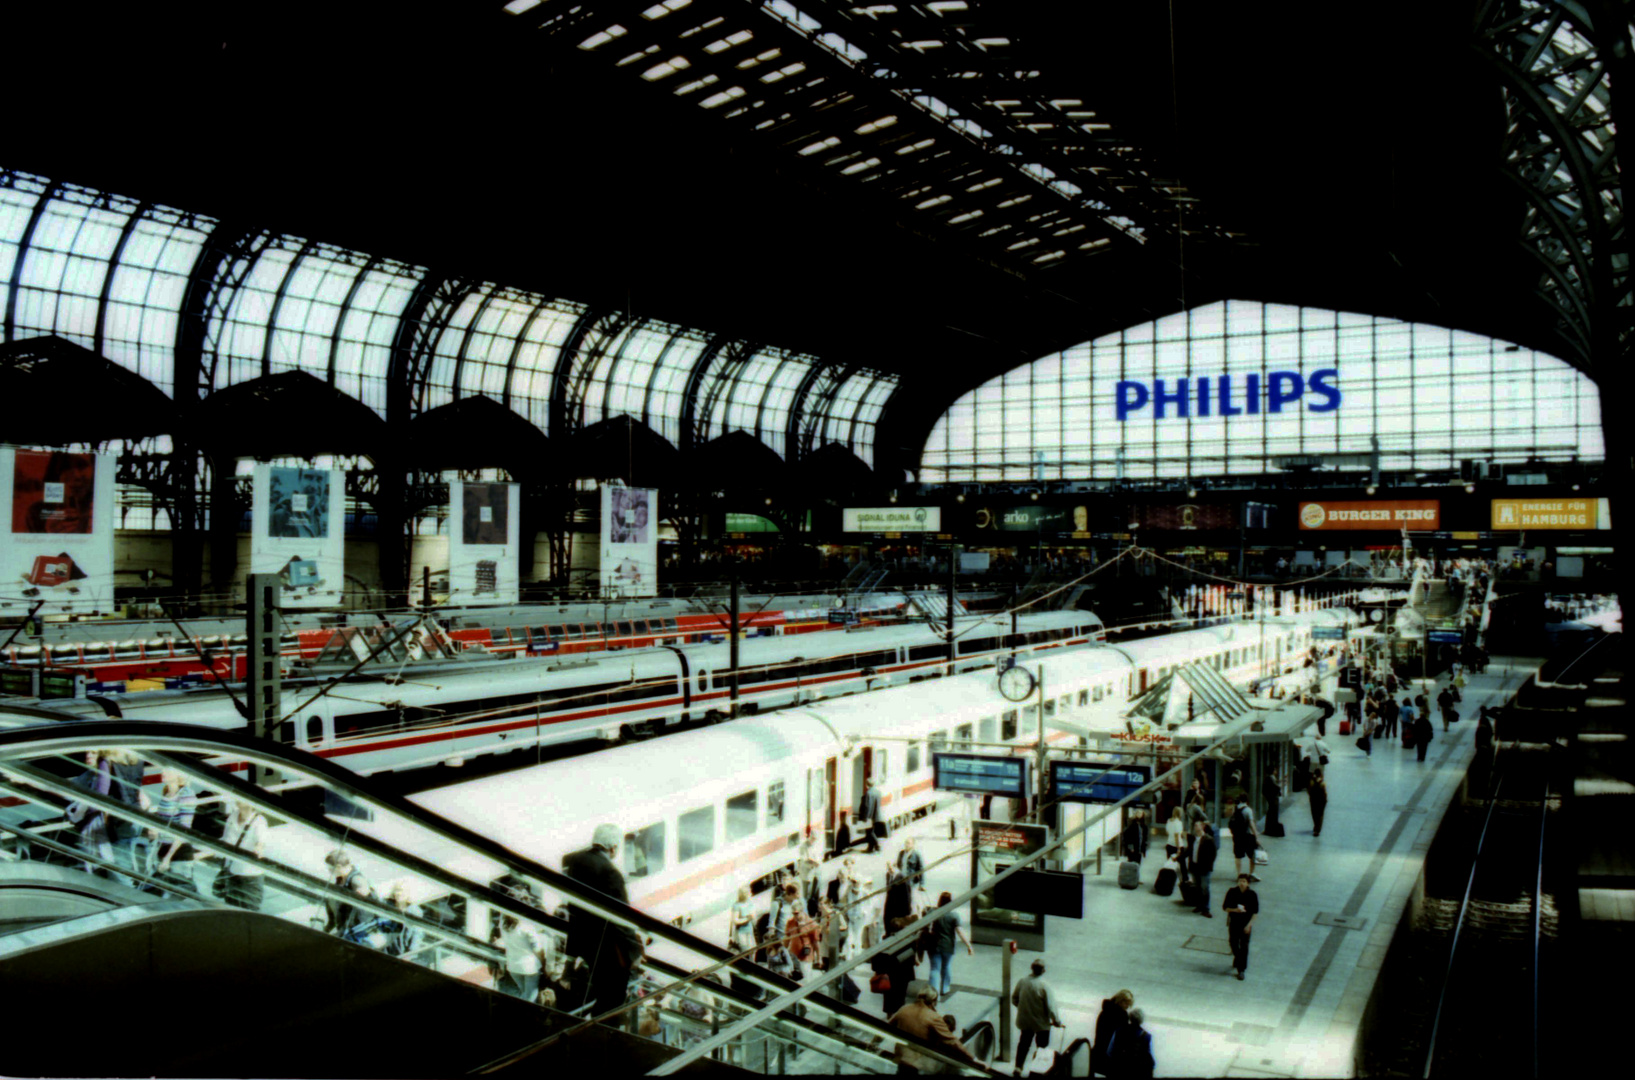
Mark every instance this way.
x=939 y=741
x=1050 y=707
x=644 y=851
x=774 y=803
x=742 y=815
x=622 y=628
x=1095 y=693
x=695 y=833
x=913 y=765
x=1007 y=730
x=315 y=730
x=1067 y=701
x=927 y=652
x=1084 y=697
x=988 y=729
x=882 y=765
x=962 y=737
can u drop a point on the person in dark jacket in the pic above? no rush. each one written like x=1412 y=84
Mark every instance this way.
x=1132 y=1050
x=1113 y=1017
x=1424 y=732
x=1317 y=793
x=1201 y=864
x=609 y=950
x=868 y=809
x=897 y=964
x=843 y=837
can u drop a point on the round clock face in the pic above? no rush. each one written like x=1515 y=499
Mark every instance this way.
x=1376 y=615
x=1016 y=682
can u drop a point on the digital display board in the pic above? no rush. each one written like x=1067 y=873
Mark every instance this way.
x=1083 y=781
x=980 y=774
x=1328 y=633
x=1447 y=637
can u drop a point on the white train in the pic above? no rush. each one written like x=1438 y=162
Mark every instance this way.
x=710 y=810
x=457 y=711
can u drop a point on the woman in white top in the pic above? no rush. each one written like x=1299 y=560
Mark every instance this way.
x=240 y=882
x=741 y=922
x=1175 y=830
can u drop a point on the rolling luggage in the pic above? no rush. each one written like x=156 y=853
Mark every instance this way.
x=1345 y=727
x=1189 y=893
x=849 y=990
x=1165 y=885
x=1407 y=736
x=1129 y=874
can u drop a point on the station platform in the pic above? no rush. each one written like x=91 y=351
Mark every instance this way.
x=1330 y=907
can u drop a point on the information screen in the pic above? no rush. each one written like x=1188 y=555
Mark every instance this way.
x=1082 y=781
x=981 y=774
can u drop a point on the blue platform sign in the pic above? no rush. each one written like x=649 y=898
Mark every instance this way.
x=1328 y=633
x=1447 y=637
x=980 y=774
x=1083 y=781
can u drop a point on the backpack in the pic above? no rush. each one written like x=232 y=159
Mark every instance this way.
x=762 y=924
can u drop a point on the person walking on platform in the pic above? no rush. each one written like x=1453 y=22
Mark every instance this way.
x=1444 y=702
x=1245 y=837
x=1242 y=909
x=1201 y=864
x=1424 y=732
x=944 y=933
x=1175 y=837
x=1035 y=1012
x=1132 y=1050
x=1271 y=789
x=1317 y=794
x=608 y=949
x=1389 y=714
x=868 y=809
x=1114 y=1014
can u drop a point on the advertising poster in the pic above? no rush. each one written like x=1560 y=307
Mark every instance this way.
x=1519 y=514
x=1415 y=515
x=1184 y=516
x=59 y=549
x=484 y=543
x=897 y=519
x=997 y=845
x=297 y=524
x=630 y=541
x=1033 y=518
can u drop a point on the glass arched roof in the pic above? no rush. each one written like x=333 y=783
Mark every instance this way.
x=1430 y=396
x=114 y=274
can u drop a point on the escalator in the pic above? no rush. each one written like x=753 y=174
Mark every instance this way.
x=182 y=971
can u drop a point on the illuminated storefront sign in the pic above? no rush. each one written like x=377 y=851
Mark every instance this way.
x=1033 y=518
x=900 y=519
x=1184 y=516
x=1213 y=394
x=1546 y=513
x=1414 y=514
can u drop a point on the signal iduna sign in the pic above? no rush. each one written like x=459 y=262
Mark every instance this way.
x=899 y=519
x=1546 y=513
x=1383 y=514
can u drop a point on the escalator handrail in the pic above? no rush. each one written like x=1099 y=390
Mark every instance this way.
x=1538 y=909
x=159 y=736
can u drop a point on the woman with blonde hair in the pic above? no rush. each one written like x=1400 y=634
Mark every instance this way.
x=741 y=922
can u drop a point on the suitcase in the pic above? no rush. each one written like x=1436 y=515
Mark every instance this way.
x=1345 y=727
x=1407 y=736
x=849 y=990
x=1189 y=893
x=1129 y=874
x=1165 y=885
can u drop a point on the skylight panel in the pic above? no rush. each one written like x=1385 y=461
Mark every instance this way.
x=517 y=7
x=914 y=147
x=940 y=6
x=1049 y=256
x=701 y=27
x=669 y=67
x=760 y=58
x=696 y=84
x=995 y=229
x=860 y=166
x=659 y=11
x=969 y=215
x=1069 y=231
x=783 y=73
x=788 y=12
x=598 y=40
x=971 y=127
x=651 y=50
x=875 y=9
x=821 y=145
x=922 y=46
x=875 y=125
x=722 y=98
x=992 y=42
x=1026 y=241
x=988 y=183
x=935 y=106
x=1017 y=201
x=723 y=44
x=1062 y=103
x=935 y=200
x=840 y=45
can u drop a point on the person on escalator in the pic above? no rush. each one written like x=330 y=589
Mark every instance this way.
x=610 y=950
x=340 y=916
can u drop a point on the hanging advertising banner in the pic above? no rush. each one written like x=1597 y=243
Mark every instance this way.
x=1516 y=514
x=1418 y=515
x=1033 y=518
x=296 y=529
x=995 y=846
x=897 y=519
x=1184 y=516
x=59 y=550
x=484 y=540
x=630 y=541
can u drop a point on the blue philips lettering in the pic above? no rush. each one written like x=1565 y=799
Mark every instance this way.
x=1178 y=398
x=1320 y=383
x=1203 y=397
x=1225 y=385
x=1132 y=396
x=1251 y=399
x=1282 y=388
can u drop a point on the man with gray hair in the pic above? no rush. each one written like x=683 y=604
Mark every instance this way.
x=920 y=1019
x=609 y=950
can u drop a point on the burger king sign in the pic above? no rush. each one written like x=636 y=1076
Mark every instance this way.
x=1384 y=515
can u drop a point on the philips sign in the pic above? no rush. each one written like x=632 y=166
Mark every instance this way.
x=1212 y=395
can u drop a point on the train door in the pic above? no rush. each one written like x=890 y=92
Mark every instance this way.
x=860 y=775
x=1143 y=689
x=818 y=807
x=315 y=727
